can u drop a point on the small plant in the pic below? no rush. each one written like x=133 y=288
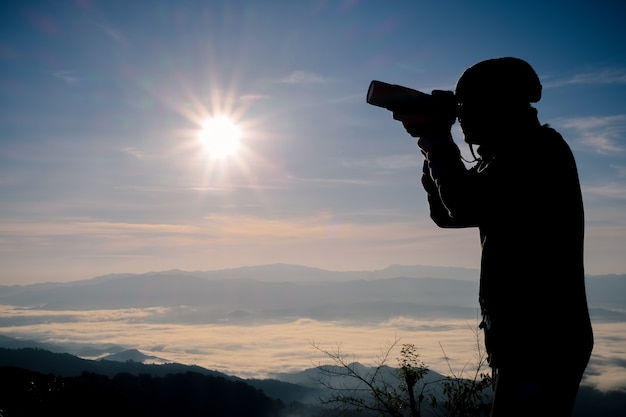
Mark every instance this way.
x=409 y=390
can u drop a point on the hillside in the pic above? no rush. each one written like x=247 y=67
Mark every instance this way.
x=69 y=366
x=29 y=393
x=37 y=382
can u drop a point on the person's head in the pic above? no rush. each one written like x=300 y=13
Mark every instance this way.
x=495 y=95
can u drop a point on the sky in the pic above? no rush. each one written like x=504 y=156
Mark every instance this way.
x=103 y=168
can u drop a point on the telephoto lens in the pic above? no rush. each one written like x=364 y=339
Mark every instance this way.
x=394 y=97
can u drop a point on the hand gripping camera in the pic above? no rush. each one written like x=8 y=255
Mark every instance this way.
x=438 y=107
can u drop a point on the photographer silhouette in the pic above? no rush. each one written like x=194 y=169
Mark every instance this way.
x=524 y=196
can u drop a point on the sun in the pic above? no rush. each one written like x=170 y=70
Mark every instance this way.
x=221 y=137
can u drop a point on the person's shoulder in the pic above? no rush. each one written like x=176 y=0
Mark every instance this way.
x=551 y=138
x=549 y=132
x=554 y=149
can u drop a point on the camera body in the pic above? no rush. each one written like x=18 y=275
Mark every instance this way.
x=437 y=107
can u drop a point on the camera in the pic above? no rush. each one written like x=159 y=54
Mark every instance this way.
x=440 y=105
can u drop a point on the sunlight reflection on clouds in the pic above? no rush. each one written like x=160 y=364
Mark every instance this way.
x=266 y=348
x=250 y=350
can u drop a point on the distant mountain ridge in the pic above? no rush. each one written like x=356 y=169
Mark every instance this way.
x=65 y=364
x=299 y=273
x=287 y=291
x=246 y=290
x=134 y=355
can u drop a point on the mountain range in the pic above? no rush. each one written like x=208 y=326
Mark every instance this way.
x=286 y=291
x=261 y=294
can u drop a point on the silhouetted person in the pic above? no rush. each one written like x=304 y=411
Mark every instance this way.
x=524 y=196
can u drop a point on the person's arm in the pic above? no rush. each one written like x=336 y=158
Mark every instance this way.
x=449 y=184
x=445 y=178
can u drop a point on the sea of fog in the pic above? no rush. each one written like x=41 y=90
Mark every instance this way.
x=261 y=349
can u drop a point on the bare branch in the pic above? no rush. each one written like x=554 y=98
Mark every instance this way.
x=405 y=390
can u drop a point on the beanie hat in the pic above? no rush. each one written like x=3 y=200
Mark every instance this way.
x=506 y=79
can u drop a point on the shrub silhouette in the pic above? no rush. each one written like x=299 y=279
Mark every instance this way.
x=408 y=391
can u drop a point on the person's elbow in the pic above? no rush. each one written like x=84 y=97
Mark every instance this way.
x=446 y=219
x=447 y=222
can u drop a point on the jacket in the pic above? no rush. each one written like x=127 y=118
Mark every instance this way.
x=524 y=196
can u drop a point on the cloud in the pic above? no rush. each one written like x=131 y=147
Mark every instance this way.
x=390 y=162
x=619 y=169
x=370 y=239
x=604 y=76
x=90 y=316
x=113 y=33
x=68 y=76
x=337 y=181
x=303 y=77
x=607 y=367
x=601 y=134
x=86 y=226
x=260 y=350
x=412 y=325
x=254 y=351
x=253 y=97
x=613 y=190
x=133 y=152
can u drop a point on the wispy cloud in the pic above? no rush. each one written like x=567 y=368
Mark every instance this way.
x=303 y=77
x=253 y=97
x=328 y=240
x=602 y=76
x=602 y=134
x=612 y=190
x=620 y=170
x=133 y=152
x=336 y=181
x=69 y=77
x=113 y=33
x=87 y=227
x=391 y=162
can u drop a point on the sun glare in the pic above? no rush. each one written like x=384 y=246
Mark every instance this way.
x=221 y=137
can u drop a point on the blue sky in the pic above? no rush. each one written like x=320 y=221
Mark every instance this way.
x=102 y=171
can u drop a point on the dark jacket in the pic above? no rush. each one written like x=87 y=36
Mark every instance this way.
x=524 y=197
